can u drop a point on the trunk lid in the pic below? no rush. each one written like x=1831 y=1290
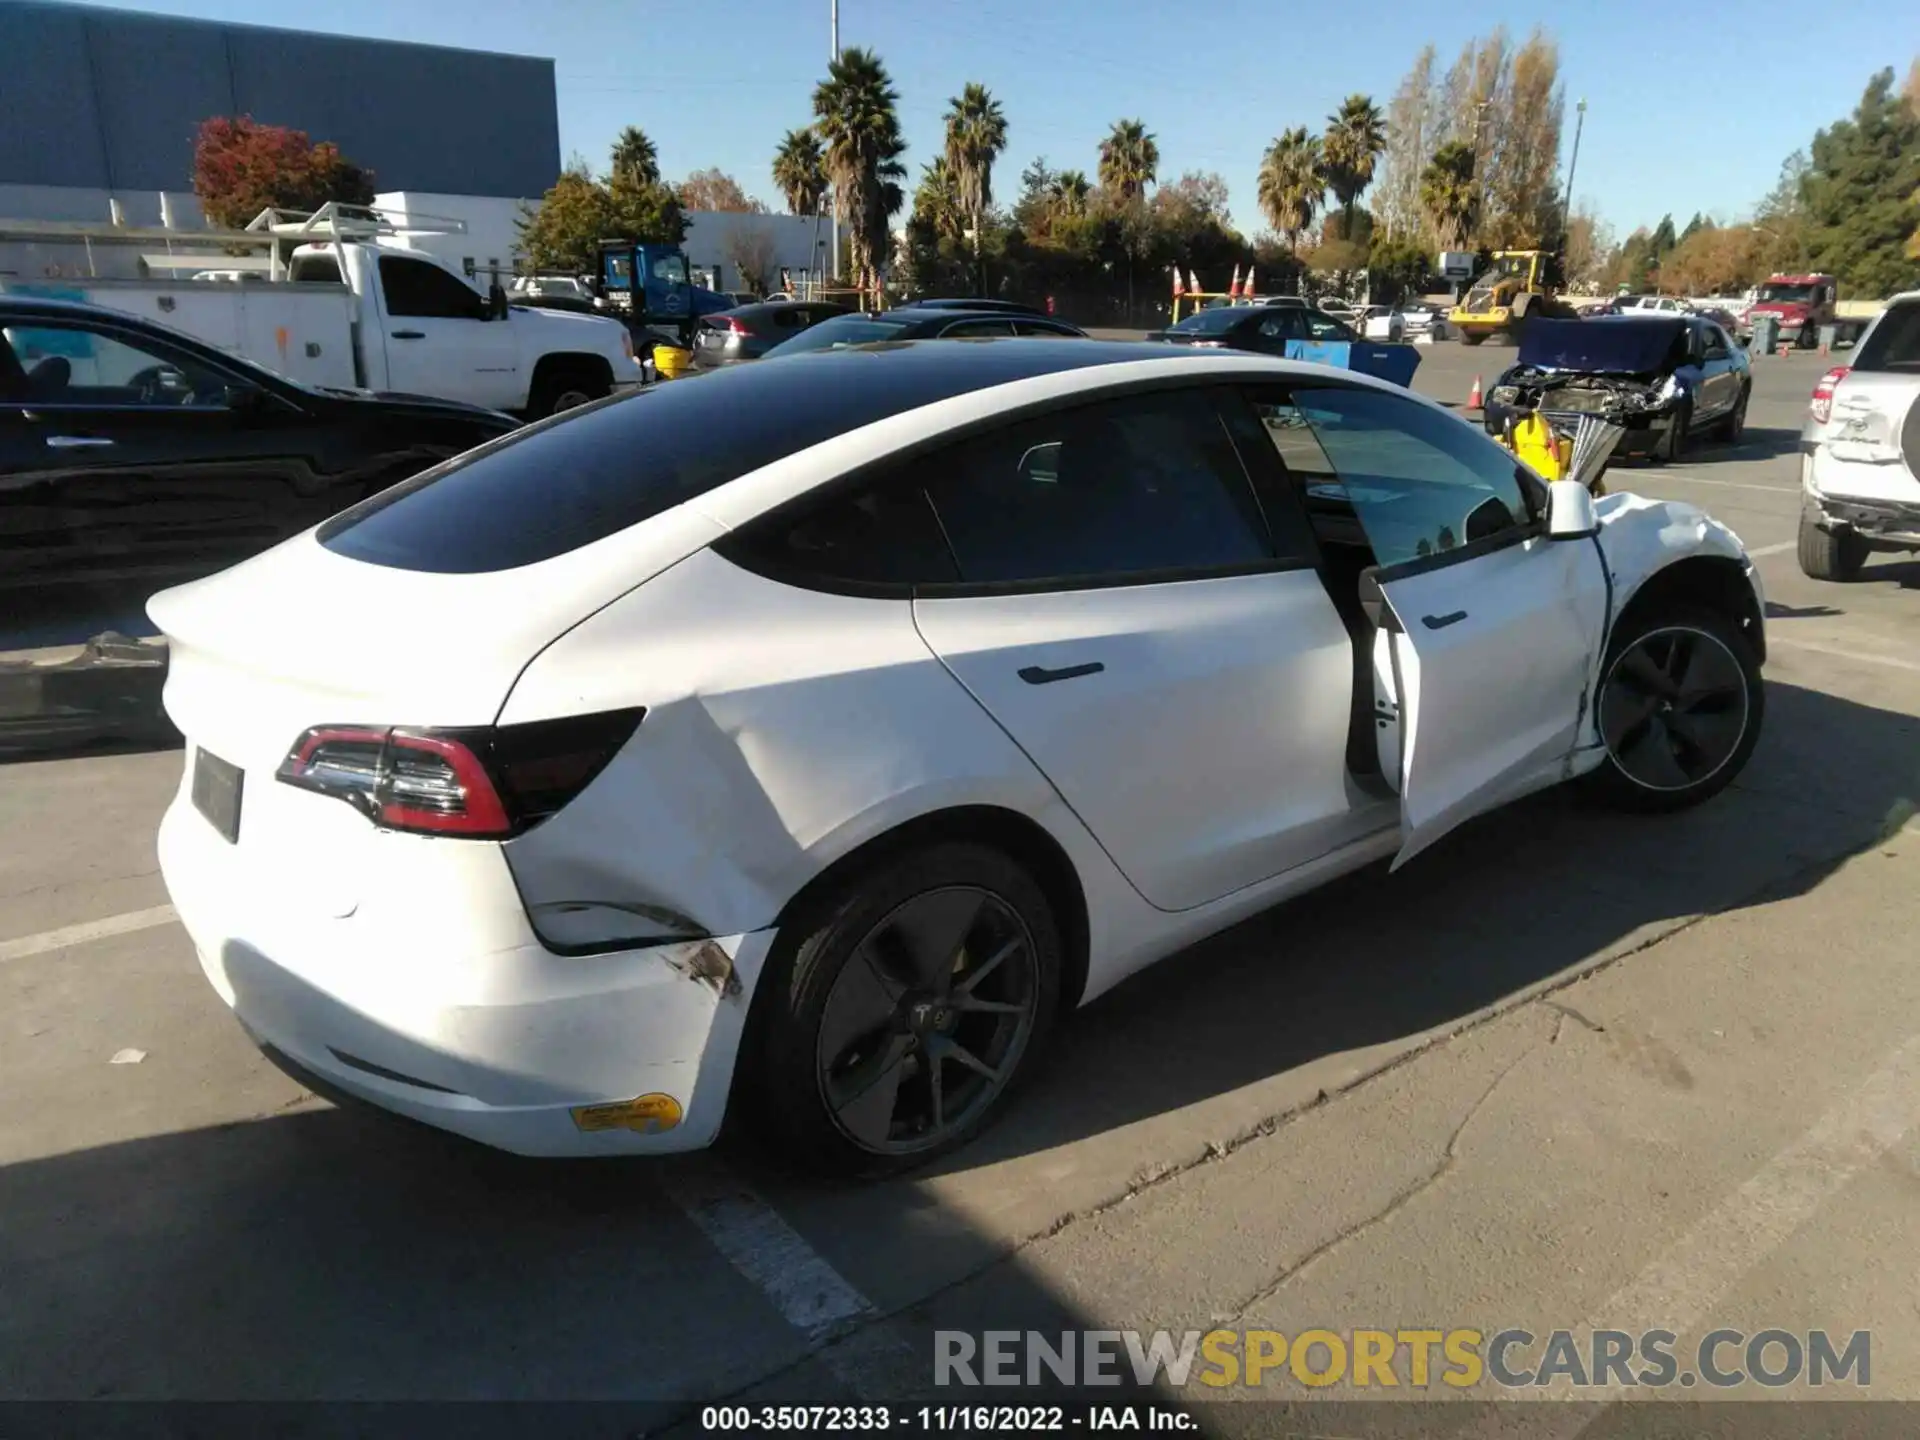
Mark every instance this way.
x=301 y=636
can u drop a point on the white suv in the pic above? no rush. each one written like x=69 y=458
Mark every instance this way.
x=1861 y=450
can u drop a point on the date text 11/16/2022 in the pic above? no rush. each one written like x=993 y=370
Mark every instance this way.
x=924 y=1419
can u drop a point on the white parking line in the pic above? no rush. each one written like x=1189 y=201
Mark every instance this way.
x=1688 y=478
x=1840 y=653
x=81 y=934
x=1766 y=550
x=1680 y=1288
x=809 y=1293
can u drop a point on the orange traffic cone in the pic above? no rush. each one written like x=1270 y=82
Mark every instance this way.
x=1233 y=290
x=1193 y=282
x=1473 y=395
x=1179 y=288
x=1247 y=289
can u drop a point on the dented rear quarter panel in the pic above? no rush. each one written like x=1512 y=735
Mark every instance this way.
x=785 y=728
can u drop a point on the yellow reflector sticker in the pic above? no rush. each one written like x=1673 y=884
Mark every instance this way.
x=648 y=1115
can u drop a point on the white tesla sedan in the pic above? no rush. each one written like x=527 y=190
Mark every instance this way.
x=808 y=738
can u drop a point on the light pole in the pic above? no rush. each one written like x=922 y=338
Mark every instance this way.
x=833 y=262
x=1573 y=162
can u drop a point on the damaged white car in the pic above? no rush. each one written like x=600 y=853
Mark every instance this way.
x=805 y=742
x=1860 y=460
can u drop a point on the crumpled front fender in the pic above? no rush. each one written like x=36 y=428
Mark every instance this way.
x=1640 y=537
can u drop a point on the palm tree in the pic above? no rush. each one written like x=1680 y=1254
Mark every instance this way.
x=1356 y=135
x=635 y=161
x=939 y=200
x=800 y=172
x=854 y=107
x=1070 y=191
x=1129 y=160
x=976 y=134
x=1291 y=185
x=1450 y=195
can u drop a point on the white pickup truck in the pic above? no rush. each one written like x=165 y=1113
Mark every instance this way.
x=351 y=312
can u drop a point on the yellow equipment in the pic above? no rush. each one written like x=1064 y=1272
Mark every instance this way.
x=1519 y=283
x=670 y=361
x=1544 y=450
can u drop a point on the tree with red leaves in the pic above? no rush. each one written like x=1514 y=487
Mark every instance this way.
x=241 y=167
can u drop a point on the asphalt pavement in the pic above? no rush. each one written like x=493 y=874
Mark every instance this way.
x=1567 y=1071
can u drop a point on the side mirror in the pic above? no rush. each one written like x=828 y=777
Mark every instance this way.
x=1570 y=514
x=496 y=302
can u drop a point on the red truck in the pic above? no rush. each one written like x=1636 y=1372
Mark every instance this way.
x=1802 y=304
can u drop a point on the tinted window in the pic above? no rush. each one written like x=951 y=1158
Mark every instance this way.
x=1894 y=343
x=1284 y=325
x=1099 y=492
x=843 y=330
x=1041 y=327
x=881 y=533
x=1326 y=328
x=553 y=487
x=419 y=288
x=62 y=364
x=1416 y=482
x=1210 y=322
x=976 y=328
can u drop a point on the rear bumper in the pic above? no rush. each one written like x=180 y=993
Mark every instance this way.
x=452 y=1014
x=1878 y=502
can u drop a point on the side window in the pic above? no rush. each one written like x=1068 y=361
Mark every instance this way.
x=1389 y=473
x=1099 y=493
x=419 y=288
x=975 y=328
x=881 y=532
x=1717 y=345
x=1284 y=324
x=1042 y=328
x=788 y=319
x=56 y=365
x=671 y=268
x=1326 y=328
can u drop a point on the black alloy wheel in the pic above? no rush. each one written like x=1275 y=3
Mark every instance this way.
x=1680 y=707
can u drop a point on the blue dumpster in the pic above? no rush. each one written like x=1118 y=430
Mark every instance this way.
x=1386 y=362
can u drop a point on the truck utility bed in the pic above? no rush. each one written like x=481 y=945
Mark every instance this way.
x=300 y=329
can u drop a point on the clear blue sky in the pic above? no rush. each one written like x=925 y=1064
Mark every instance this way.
x=717 y=84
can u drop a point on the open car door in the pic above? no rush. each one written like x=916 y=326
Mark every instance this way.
x=1486 y=631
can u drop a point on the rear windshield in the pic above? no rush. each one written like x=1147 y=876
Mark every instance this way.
x=589 y=473
x=844 y=330
x=1210 y=322
x=1895 y=341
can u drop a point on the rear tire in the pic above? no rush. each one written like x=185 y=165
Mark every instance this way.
x=1825 y=555
x=1680 y=708
x=816 y=1060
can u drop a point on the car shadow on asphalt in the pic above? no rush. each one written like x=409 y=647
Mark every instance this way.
x=347 y=1254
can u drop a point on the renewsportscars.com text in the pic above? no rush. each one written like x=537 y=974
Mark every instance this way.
x=1416 y=1359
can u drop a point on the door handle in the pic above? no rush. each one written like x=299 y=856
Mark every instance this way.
x=1039 y=675
x=409 y=334
x=78 y=442
x=1440 y=622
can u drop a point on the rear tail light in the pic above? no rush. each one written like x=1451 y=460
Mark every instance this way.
x=489 y=783
x=734 y=325
x=1823 y=393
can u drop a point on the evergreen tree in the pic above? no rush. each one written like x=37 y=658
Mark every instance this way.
x=1859 y=193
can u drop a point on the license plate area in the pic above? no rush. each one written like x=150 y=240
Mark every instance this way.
x=216 y=792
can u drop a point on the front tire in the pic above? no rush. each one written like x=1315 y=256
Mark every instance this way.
x=1734 y=426
x=1675 y=444
x=903 y=1008
x=1473 y=337
x=1825 y=555
x=1680 y=707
